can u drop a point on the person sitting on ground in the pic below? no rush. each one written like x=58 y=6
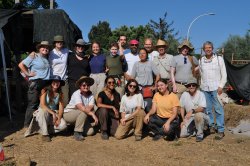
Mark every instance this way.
x=50 y=112
x=193 y=103
x=132 y=113
x=80 y=107
x=108 y=103
x=162 y=119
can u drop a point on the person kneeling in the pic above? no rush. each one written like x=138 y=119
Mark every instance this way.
x=193 y=103
x=132 y=112
x=162 y=119
x=81 y=106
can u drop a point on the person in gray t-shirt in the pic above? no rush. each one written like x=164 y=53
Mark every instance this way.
x=181 y=67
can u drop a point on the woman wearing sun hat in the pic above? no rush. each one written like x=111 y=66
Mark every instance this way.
x=36 y=67
x=181 y=67
x=80 y=107
x=78 y=64
x=58 y=58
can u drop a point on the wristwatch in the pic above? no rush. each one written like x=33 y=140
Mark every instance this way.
x=193 y=111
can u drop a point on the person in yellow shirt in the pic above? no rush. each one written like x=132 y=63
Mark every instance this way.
x=162 y=119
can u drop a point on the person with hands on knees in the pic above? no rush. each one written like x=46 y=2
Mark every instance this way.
x=132 y=113
x=108 y=103
x=193 y=103
x=162 y=119
x=80 y=109
x=50 y=112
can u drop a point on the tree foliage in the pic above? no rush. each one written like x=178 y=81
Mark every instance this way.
x=30 y=4
x=100 y=33
x=239 y=46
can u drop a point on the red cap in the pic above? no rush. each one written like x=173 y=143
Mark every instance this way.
x=133 y=42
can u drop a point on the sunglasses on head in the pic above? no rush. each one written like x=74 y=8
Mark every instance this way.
x=132 y=86
x=193 y=85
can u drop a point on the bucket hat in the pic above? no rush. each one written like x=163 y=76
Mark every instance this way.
x=43 y=44
x=58 y=38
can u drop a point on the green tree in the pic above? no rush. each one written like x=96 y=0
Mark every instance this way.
x=31 y=4
x=163 y=30
x=101 y=33
x=239 y=46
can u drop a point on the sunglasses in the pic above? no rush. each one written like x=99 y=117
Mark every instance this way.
x=84 y=85
x=185 y=60
x=111 y=82
x=132 y=86
x=134 y=45
x=193 y=85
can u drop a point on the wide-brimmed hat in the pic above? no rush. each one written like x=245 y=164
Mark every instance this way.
x=57 y=78
x=58 y=38
x=161 y=43
x=192 y=81
x=87 y=80
x=43 y=44
x=186 y=43
x=81 y=42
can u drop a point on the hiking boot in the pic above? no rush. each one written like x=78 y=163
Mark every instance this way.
x=212 y=130
x=219 y=136
x=157 y=137
x=78 y=136
x=199 y=138
x=104 y=136
x=46 y=138
x=137 y=138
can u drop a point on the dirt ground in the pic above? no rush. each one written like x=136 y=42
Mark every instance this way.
x=65 y=151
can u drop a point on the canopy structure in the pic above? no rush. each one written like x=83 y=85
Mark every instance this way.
x=21 y=30
x=239 y=79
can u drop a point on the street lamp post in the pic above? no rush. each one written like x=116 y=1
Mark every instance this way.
x=196 y=18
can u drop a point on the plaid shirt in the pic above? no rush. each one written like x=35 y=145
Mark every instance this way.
x=213 y=73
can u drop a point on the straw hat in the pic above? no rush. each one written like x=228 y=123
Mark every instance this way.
x=87 y=80
x=161 y=43
x=186 y=43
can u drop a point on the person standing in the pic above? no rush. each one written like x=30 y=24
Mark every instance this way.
x=213 y=79
x=181 y=67
x=78 y=64
x=148 y=45
x=122 y=42
x=163 y=60
x=36 y=67
x=98 y=68
x=58 y=58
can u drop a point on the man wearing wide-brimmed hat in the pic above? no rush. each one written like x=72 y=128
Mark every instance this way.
x=36 y=68
x=58 y=58
x=193 y=104
x=78 y=64
x=181 y=67
x=163 y=60
x=80 y=107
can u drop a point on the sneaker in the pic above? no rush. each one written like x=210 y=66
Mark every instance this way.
x=137 y=138
x=46 y=138
x=157 y=137
x=199 y=138
x=219 y=136
x=78 y=136
x=104 y=136
x=212 y=130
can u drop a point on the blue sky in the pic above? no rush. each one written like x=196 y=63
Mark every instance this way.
x=232 y=17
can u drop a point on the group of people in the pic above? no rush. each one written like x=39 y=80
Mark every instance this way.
x=125 y=91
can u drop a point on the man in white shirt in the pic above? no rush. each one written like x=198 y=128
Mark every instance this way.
x=148 y=45
x=213 y=79
x=193 y=103
x=132 y=57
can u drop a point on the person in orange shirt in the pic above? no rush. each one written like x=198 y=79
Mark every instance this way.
x=162 y=119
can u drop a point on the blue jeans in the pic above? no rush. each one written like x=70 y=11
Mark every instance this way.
x=213 y=102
